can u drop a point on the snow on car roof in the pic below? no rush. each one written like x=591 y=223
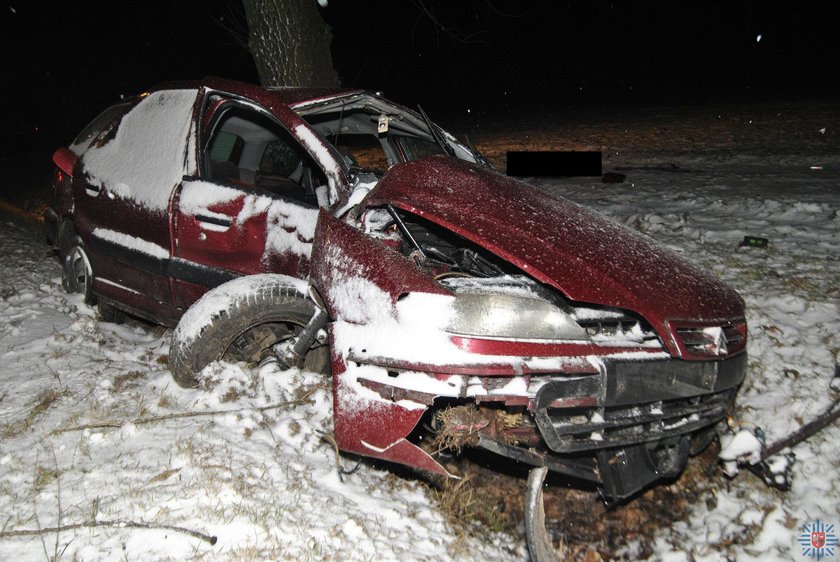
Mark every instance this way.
x=289 y=95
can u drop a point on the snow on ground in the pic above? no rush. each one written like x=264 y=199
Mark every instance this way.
x=261 y=479
x=792 y=290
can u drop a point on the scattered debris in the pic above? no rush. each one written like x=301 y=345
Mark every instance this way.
x=458 y=427
x=754 y=242
x=117 y=424
x=119 y=524
x=613 y=177
x=774 y=463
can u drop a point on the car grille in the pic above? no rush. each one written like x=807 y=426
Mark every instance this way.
x=613 y=326
x=711 y=341
x=584 y=429
x=633 y=402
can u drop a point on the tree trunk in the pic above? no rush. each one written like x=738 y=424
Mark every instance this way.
x=290 y=43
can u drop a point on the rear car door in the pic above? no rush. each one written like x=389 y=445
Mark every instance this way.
x=122 y=200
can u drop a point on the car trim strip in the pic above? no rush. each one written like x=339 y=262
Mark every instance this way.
x=174 y=267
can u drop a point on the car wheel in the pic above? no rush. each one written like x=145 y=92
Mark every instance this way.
x=76 y=273
x=242 y=320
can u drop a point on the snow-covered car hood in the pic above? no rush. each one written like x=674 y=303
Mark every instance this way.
x=584 y=255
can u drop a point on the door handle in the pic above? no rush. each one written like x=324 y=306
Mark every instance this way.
x=218 y=220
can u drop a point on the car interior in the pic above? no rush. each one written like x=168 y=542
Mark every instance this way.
x=248 y=149
x=373 y=134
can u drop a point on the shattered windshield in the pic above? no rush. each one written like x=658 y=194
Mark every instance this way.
x=372 y=134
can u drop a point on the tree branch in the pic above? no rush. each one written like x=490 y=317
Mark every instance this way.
x=114 y=523
x=116 y=424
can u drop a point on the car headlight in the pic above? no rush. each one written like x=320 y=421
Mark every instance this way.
x=511 y=316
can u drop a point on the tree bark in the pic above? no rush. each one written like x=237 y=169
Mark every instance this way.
x=290 y=43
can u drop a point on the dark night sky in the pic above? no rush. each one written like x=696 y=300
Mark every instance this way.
x=65 y=61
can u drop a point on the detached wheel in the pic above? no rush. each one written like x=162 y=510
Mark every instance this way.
x=76 y=273
x=243 y=320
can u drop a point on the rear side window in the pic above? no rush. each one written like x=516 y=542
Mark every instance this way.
x=147 y=155
x=104 y=120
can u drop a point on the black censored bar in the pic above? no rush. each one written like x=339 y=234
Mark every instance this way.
x=553 y=163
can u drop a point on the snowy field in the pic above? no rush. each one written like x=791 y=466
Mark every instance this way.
x=105 y=455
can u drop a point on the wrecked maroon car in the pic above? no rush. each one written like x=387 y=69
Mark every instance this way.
x=345 y=234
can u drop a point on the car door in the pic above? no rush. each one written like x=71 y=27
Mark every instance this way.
x=123 y=197
x=252 y=209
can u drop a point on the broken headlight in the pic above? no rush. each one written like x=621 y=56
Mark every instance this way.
x=511 y=316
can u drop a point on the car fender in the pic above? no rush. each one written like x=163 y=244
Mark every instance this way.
x=366 y=423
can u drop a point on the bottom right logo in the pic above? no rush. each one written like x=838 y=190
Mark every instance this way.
x=818 y=540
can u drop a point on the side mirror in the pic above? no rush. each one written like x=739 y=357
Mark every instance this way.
x=66 y=160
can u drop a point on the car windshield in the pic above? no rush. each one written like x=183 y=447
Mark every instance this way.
x=373 y=134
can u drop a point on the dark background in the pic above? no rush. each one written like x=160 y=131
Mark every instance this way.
x=468 y=61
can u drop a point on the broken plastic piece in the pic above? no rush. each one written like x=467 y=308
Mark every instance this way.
x=753 y=242
x=739 y=449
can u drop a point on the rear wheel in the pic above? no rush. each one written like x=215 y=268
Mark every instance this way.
x=76 y=273
x=248 y=319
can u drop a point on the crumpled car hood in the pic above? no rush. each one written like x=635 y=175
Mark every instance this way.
x=584 y=255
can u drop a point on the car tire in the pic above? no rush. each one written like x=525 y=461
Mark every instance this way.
x=240 y=321
x=76 y=272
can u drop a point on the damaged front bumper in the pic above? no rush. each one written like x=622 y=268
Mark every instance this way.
x=643 y=422
x=621 y=424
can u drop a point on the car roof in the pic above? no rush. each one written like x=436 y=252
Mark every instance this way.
x=266 y=95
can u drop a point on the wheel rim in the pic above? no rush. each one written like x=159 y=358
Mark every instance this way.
x=256 y=343
x=78 y=271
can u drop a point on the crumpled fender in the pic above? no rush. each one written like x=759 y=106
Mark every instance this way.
x=340 y=251
x=366 y=423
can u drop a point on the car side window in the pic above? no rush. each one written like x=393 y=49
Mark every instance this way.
x=153 y=136
x=104 y=122
x=226 y=146
x=250 y=150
